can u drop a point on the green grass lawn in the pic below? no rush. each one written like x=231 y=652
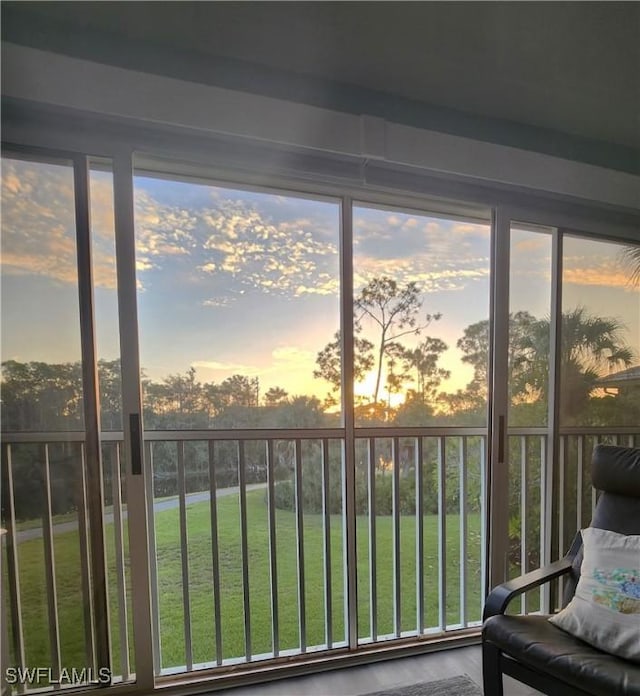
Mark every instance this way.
x=70 y=611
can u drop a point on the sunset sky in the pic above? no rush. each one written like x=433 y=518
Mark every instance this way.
x=241 y=282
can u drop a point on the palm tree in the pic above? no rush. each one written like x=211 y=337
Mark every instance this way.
x=631 y=257
x=589 y=347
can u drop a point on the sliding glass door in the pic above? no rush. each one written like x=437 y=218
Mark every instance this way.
x=264 y=440
x=569 y=344
x=58 y=567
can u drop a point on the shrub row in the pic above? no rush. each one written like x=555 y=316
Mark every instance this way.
x=312 y=496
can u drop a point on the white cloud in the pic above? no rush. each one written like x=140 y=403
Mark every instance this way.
x=217 y=366
x=292 y=354
x=541 y=244
x=468 y=228
x=38 y=223
x=431 y=275
x=285 y=257
x=605 y=275
x=238 y=245
x=161 y=230
x=218 y=302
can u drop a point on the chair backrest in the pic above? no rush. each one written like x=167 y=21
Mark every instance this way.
x=615 y=472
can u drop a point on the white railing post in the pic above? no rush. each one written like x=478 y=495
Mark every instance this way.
x=463 y=525
x=419 y=456
x=524 y=510
x=184 y=556
x=153 y=557
x=326 y=537
x=123 y=612
x=373 y=567
x=273 y=550
x=397 y=577
x=442 y=534
x=242 y=496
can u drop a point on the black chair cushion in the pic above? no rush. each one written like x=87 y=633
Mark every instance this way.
x=533 y=641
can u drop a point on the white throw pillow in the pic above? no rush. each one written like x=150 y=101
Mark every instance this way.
x=605 y=611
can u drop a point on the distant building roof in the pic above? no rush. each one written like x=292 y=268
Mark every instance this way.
x=623 y=378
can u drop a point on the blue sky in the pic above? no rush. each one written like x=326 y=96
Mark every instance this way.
x=243 y=282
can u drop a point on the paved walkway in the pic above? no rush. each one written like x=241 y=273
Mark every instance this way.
x=159 y=505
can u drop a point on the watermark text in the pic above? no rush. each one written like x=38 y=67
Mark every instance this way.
x=29 y=676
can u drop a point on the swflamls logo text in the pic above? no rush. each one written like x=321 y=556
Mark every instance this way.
x=46 y=675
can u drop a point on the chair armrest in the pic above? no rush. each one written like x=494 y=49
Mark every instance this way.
x=501 y=595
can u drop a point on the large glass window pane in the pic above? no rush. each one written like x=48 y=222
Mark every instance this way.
x=599 y=366
x=600 y=356
x=421 y=307
x=238 y=294
x=529 y=312
x=41 y=373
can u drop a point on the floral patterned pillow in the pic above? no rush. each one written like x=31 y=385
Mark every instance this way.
x=605 y=611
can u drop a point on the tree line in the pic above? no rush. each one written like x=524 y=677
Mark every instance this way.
x=391 y=342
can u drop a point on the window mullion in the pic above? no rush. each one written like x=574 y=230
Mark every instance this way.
x=347 y=346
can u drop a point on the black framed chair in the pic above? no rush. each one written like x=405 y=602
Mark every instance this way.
x=530 y=648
